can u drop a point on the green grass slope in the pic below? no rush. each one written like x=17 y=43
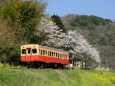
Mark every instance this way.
x=54 y=77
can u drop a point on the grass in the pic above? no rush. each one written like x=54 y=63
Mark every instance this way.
x=55 y=77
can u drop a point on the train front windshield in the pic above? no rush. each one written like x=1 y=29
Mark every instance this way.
x=28 y=54
x=29 y=51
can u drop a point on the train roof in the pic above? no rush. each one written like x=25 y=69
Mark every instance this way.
x=53 y=48
x=47 y=47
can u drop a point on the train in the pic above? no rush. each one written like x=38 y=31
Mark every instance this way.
x=42 y=56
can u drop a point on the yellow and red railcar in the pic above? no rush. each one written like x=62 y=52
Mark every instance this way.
x=43 y=55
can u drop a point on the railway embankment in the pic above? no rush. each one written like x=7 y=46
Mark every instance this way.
x=55 y=77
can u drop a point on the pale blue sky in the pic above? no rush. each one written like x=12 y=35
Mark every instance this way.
x=101 y=8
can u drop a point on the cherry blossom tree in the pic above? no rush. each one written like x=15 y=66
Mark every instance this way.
x=50 y=30
x=81 y=45
x=71 y=41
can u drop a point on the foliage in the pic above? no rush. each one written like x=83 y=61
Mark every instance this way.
x=7 y=37
x=89 y=22
x=56 y=19
x=7 y=65
x=23 y=13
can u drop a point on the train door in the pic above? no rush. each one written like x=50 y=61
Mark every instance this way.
x=28 y=54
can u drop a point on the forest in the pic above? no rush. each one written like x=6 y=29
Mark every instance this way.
x=90 y=38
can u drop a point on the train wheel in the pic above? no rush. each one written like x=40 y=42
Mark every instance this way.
x=42 y=66
x=28 y=65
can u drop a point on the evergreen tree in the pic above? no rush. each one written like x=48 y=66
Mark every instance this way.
x=56 y=19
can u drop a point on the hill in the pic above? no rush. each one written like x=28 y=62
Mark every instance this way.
x=54 y=77
x=98 y=31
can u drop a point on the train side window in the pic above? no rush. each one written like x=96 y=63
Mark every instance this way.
x=66 y=55
x=62 y=55
x=52 y=54
x=39 y=51
x=56 y=54
x=48 y=53
x=29 y=51
x=34 y=51
x=23 y=51
x=43 y=52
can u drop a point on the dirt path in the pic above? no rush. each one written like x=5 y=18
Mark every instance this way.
x=113 y=84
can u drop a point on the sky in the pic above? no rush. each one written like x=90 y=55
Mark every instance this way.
x=101 y=8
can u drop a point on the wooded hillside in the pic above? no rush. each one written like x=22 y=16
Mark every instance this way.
x=98 y=31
